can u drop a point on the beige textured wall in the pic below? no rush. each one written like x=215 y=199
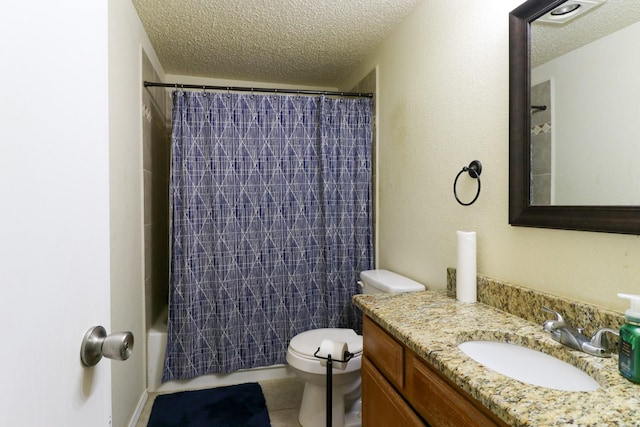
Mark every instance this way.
x=443 y=102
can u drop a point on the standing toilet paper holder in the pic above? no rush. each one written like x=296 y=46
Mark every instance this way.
x=345 y=358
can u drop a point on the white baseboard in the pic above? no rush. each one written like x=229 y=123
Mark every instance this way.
x=136 y=414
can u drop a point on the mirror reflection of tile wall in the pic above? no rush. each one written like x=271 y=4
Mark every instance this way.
x=541 y=147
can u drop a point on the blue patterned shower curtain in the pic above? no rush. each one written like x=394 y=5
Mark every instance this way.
x=271 y=224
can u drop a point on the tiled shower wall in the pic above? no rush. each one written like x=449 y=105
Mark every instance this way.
x=368 y=85
x=156 y=151
x=541 y=149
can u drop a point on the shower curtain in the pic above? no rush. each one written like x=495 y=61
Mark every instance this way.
x=271 y=224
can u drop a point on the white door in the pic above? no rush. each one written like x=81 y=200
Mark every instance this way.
x=54 y=211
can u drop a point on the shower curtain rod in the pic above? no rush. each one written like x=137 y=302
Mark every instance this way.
x=258 y=89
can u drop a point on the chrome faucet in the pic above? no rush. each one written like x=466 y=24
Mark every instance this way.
x=598 y=345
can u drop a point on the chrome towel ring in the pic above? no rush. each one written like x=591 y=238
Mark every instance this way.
x=474 y=169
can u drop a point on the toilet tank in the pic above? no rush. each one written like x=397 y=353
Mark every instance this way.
x=385 y=281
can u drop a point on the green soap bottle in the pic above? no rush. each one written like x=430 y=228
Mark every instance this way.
x=629 y=344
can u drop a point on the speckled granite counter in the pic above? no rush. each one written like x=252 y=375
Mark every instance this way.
x=433 y=324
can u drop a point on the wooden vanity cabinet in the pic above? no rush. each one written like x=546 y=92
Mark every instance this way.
x=400 y=389
x=384 y=405
x=384 y=352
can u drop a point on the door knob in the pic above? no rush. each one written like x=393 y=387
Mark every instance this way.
x=96 y=344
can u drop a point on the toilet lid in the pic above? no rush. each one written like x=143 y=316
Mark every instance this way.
x=307 y=343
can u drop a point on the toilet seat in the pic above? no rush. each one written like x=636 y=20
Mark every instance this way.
x=306 y=343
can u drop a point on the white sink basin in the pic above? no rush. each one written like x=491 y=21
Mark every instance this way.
x=529 y=366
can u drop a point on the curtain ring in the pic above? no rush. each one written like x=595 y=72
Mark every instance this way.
x=474 y=169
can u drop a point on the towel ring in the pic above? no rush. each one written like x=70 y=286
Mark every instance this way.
x=474 y=169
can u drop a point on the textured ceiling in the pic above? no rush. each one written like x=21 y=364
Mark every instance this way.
x=304 y=42
x=551 y=40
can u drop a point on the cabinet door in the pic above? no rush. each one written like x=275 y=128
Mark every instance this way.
x=381 y=404
x=439 y=401
x=385 y=352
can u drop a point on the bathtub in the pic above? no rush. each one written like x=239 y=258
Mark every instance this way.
x=156 y=345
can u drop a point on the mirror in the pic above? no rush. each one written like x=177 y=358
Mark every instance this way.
x=578 y=158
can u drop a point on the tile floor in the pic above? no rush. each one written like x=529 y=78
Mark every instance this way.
x=283 y=401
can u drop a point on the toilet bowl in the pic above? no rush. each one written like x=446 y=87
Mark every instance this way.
x=345 y=382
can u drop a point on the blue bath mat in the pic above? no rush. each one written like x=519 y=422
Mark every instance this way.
x=232 y=406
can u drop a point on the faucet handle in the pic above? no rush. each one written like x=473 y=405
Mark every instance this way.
x=555 y=313
x=600 y=344
x=599 y=339
x=552 y=325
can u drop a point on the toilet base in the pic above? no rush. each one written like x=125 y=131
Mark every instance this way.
x=313 y=409
x=353 y=418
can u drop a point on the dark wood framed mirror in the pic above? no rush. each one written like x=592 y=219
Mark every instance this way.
x=613 y=219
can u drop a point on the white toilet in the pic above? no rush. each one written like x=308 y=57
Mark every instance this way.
x=345 y=382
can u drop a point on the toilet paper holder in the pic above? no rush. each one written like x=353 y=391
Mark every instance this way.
x=345 y=357
x=96 y=344
x=329 y=386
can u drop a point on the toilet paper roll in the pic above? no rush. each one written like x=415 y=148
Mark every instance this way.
x=466 y=288
x=336 y=349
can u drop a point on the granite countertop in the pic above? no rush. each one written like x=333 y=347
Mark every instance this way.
x=433 y=324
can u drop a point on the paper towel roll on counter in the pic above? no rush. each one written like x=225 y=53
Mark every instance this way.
x=336 y=349
x=466 y=288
